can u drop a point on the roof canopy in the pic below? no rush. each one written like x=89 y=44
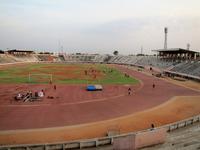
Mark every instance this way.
x=21 y=51
x=175 y=51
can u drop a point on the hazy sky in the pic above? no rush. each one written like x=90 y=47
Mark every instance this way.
x=99 y=26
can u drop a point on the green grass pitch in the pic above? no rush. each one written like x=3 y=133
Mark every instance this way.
x=64 y=73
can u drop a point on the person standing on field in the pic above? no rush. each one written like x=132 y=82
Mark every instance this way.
x=153 y=85
x=129 y=91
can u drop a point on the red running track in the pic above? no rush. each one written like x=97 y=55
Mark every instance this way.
x=76 y=106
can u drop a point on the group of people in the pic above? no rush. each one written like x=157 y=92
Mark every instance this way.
x=30 y=96
x=126 y=75
x=92 y=72
x=129 y=89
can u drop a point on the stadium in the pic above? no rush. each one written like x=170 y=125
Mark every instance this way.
x=135 y=101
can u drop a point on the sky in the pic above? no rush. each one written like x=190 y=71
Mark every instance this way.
x=99 y=26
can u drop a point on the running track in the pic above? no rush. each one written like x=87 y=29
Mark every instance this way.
x=43 y=116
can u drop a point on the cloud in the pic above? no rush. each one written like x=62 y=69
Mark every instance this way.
x=101 y=26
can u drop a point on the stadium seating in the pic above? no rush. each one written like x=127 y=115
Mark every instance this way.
x=184 y=139
x=142 y=61
x=101 y=58
x=6 y=58
x=155 y=62
x=191 y=68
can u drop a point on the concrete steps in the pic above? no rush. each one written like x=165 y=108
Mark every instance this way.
x=182 y=139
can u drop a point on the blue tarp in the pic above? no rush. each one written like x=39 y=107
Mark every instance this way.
x=91 y=88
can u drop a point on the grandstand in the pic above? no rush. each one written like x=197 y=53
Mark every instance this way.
x=150 y=61
x=101 y=58
x=45 y=57
x=124 y=59
x=11 y=56
x=78 y=57
x=155 y=62
x=174 y=60
x=191 y=68
x=4 y=58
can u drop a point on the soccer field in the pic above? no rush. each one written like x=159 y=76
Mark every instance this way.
x=63 y=73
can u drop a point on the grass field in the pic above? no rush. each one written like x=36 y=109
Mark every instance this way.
x=64 y=73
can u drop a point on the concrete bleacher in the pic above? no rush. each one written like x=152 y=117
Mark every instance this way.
x=26 y=58
x=101 y=58
x=154 y=62
x=45 y=57
x=182 y=139
x=196 y=71
x=142 y=61
x=76 y=57
x=4 y=58
x=115 y=59
x=123 y=59
x=190 y=68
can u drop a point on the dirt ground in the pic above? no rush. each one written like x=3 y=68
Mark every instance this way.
x=94 y=117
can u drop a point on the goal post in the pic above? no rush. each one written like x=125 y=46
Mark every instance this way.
x=40 y=78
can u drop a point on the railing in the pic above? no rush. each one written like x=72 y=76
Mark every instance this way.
x=97 y=142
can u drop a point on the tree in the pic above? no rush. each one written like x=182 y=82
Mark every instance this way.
x=115 y=53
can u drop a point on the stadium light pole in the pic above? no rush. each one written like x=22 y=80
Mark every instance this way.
x=165 y=43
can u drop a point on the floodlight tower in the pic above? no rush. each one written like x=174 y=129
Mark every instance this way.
x=166 y=31
x=188 y=46
x=141 y=49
